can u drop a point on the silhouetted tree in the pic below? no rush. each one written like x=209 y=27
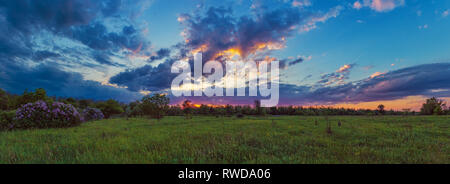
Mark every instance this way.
x=4 y=100
x=380 y=109
x=433 y=106
x=187 y=109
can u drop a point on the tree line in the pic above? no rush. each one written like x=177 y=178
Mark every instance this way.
x=157 y=106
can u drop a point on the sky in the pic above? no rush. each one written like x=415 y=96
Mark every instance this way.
x=341 y=53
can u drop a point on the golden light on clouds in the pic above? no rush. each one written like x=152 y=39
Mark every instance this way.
x=376 y=74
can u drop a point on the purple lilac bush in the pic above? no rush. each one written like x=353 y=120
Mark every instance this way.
x=91 y=114
x=42 y=115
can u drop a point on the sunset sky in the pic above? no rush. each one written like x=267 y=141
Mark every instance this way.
x=343 y=53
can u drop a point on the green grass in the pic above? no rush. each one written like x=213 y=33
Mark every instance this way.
x=285 y=139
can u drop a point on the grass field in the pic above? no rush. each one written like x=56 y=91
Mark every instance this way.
x=285 y=139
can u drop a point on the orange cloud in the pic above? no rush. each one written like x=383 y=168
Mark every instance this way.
x=376 y=74
x=344 y=68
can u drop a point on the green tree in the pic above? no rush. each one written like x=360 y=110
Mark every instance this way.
x=85 y=103
x=4 y=100
x=40 y=94
x=110 y=107
x=155 y=105
x=30 y=97
x=433 y=106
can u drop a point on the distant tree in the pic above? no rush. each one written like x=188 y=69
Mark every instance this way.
x=258 y=107
x=40 y=94
x=4 y=100
x=30 y=97
x=204 y=109
x=187 y=109
x=110 y=107
x=433 y=106
x=380 y=109
x=406 y=111
x=84 y=103
x=229 y=109
x=71 y=100
x=155 y=105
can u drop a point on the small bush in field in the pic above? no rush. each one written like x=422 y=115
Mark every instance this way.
x=92 y=114
x=41 y=115
x=240 y=115
x=6 y=120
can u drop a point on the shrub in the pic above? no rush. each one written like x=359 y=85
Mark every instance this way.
x=40 y=115
x=91 y=114
x=110 y=107
x=6 y=120
x=155 y=105
x=240 y=115
x=433 y=106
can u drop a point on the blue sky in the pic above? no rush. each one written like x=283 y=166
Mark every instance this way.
x=348 y=51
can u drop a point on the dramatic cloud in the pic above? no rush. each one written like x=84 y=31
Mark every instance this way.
x=67 y=35
x=218 y=34
x=418 y=80
x=147 y=78
x=424 y=80
x=24 y=21
x=17 y=78
x=97 y=37
x=160 y=54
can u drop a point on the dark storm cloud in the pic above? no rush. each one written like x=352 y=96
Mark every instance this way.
x=146 y=78
x=16 y=78
x=104 y=59
x=42 y=55
x=74 y=19
x=97 y=37
x=160 y=54
x=50 y=14
x=24 y=21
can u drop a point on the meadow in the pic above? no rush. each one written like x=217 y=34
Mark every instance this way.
x=247 y=140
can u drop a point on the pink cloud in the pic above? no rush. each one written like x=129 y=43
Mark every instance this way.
x=357 y=5
x=379 y=5
x=386 y=5
x=445 y=13
x=301 y=3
